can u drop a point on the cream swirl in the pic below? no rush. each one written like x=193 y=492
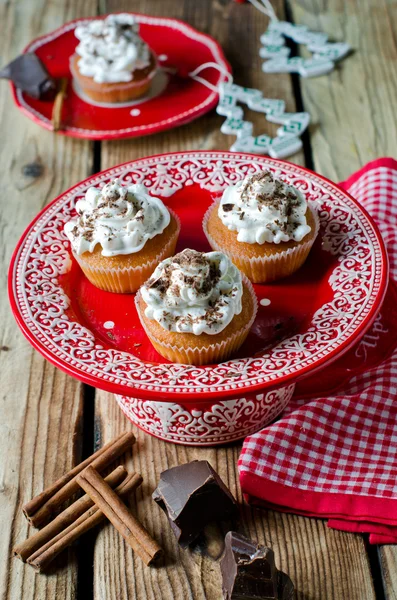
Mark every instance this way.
x=111 y=49
x=194 y=292
x=262 y=208
x=119 y=218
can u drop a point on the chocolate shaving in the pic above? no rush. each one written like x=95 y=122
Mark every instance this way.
x=196 y=271
x=278 y=197
x=110 y=198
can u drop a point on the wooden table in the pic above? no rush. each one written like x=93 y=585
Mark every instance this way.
x=49 y=421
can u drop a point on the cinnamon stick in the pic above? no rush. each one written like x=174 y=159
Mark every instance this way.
x=40 y=509
x=92 y=517
x=64 y=519
x=56 y=117
x=118 y=514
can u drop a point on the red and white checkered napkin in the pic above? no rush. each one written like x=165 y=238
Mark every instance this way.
x=333 y=454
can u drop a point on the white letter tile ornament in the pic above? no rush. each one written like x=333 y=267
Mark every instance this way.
x=266 y=105
x=271 y=38
x=273 y=50
x=293 y=125
x=237 y=127
x=296 y=124
x=226 y=104
x=325 y=54
x=335 y=51
x=281 y=147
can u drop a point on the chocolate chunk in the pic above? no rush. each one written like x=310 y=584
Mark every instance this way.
x=249 y=572
x=193 y=495
x=29 y=74
x=285 y=587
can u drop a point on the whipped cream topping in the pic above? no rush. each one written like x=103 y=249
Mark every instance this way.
x=119 y=218
x=262 y=208
x=111 y=49
x=194 y=292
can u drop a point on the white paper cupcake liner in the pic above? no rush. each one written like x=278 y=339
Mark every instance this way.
x=213 y=353
x=265 y=269
x=126 y=280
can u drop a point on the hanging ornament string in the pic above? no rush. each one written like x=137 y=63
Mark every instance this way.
x=266 y=7
x=210 y=65
x=324 y=54
x=286 y=142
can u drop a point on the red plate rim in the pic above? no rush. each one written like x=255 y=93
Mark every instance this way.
x=177 y=120
x=205 y=395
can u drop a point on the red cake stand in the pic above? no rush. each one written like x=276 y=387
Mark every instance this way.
x=304 y=322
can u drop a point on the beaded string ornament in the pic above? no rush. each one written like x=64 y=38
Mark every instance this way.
x=292 y=125
x=324 y=53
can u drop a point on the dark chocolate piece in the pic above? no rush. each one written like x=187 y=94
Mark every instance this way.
x=249 y=572
x=29 y=74
x=285 y=587
x=193 y=495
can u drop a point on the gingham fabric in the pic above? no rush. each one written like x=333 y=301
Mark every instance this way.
x=334 y=454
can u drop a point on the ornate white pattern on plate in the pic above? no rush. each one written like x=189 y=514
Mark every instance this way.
x=346 y=233
x=225 y=421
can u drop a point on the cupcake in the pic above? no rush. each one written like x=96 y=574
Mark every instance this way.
x=196 y=308
x=112 y=63
x=264 y=225
x=120 y=235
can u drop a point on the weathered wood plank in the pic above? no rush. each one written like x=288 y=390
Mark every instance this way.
x=388 y=559
x=353 y=111
x=41 y=408
x=323 y=563
x=353 y=108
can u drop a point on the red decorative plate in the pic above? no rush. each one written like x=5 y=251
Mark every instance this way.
x=304 y=322
x=174 y=99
